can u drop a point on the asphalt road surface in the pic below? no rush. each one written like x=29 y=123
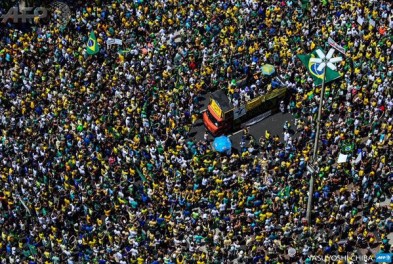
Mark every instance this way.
x=274 y=124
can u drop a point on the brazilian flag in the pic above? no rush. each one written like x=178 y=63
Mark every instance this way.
x=316 y=74
x=347 y=147
x=92 y=46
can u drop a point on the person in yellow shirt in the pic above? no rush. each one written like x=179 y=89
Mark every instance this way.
x=312 y=45
x=268 y=54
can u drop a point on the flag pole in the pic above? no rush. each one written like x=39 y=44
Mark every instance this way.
x=315 y=151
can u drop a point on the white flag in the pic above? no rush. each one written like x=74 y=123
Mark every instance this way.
x=335 y=45
x=112 y=41
x=342 y=158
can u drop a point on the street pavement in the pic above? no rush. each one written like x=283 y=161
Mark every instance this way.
x=274 y=124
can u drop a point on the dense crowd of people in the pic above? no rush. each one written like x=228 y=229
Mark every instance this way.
x=97 y=161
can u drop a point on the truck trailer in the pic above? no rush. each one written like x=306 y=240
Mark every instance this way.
x=222 y=117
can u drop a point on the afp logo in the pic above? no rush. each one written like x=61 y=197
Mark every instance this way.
x=59 y=11
x=313 y=68
x=383 y=258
